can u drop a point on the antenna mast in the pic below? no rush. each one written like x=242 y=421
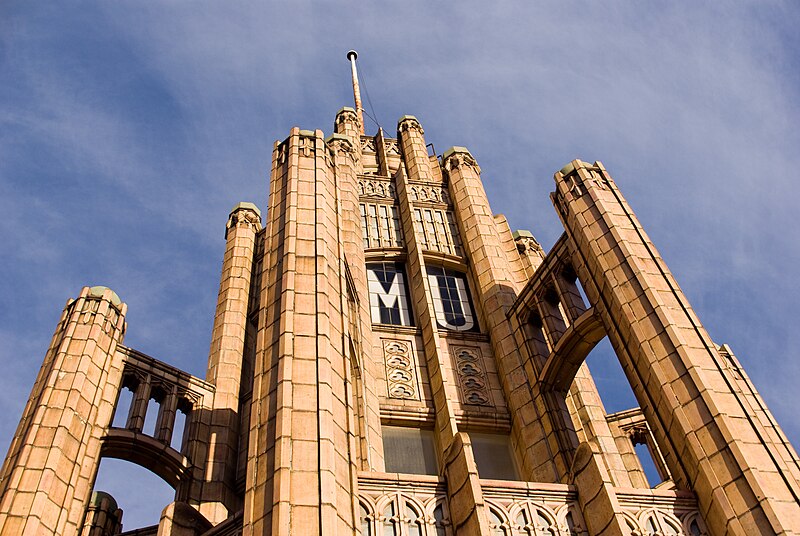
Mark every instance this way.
x=352 y=55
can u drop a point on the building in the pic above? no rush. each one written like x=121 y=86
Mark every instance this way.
x=389 y=358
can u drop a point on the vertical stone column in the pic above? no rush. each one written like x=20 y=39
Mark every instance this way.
x=497 y=292
x=217 y=496
x=457 y=462
x=530 y=251
x=299 y=479
x=52 y=462
x=346 y=148
x=745 y=482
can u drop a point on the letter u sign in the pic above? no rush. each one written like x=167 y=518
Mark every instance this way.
x=451 y=301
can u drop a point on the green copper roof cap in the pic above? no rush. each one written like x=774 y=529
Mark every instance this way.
x=522 y=233
x=569 y=168
x=97 y=292
x=455 y=149
x=339 y=137
x=346 y=109
x=247 y=206
x=97 y=498
x=407 y=117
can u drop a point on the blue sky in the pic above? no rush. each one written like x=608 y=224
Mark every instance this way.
x=128 y=131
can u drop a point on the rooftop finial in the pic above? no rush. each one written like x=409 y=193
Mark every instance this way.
x=352 y=55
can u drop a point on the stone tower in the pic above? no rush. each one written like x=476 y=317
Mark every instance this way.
x=388 y=358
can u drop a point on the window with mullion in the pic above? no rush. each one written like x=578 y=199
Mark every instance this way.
x=380 y=226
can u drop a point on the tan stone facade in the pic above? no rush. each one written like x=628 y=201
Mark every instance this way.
x=388 y=358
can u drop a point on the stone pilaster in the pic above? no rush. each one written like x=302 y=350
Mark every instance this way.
x=217 y=496
x=497 y=292
x=299 y=479
x=596 y=494
x=362 y=377
x=530 y=251
x=52 y=462
x=712 y=444
x=467 y=508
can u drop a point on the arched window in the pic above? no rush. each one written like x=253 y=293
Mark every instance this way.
x=659 y=524
x=572 y=529
x=522 y=524
x=391 y=522
x=544 y=524
x=413 y=521
x=366 y=520
x=403 y=516
x=496 y=524
x=440 y=521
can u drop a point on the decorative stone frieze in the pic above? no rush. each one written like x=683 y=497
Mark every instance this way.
x=428 y=193
x=472 y=380
x=340 y=146
x=345 y=115
x=527 y=244
x=657 y=512
x=579 y=175
x=368 y=144
x=394 y=506
x=307 y=140
x=401 y=376
x=282 y=152
x=377 y=188
x=391 y=147
x=528 y=508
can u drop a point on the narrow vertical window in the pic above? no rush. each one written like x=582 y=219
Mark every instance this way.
x=431 y=231
x=380 y=226
x=373 y=226
x=438 y=218
x=364 y=225
x=386 y=234
x=398 y=233
x=451 y=223
x=423 y=241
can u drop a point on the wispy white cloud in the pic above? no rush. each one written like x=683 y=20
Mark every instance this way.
x=128 y=130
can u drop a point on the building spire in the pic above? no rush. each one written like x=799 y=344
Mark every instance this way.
x=352 y=55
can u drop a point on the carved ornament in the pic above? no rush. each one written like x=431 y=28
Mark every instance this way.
x=430 y=194
x=376 y=188
x=472 y=380
x=401 y=376
x=244 y=217
x=409 y=122
x=459 y=158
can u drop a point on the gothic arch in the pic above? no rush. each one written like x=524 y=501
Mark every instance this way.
x=146 y=452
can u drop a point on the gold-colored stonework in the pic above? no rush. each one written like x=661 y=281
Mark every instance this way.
x=388 y=358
